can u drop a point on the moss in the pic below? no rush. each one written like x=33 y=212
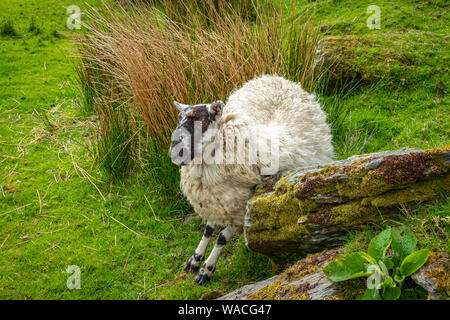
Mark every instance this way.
x=438 y=268
x=283 y=289
x=310 y=264
x=379 y=57
x=302 y=219
x=278 y=211
x=349 y=214
x=354 y=213
x=211 y=295
x=421 y=191
x=350 y=289
x=439 y=160
x=362 y=181
x=279 y=291
x=308 y=212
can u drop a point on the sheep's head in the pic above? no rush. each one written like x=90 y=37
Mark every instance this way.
x=193 y=122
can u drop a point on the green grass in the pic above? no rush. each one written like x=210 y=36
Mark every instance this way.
x=429 y=223
x=409 y=108
x=56 y=209
x=7 y=28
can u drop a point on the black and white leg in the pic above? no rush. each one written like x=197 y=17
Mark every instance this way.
x=210 y=265
x=193 y=264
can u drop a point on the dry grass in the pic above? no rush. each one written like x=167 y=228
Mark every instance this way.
x=181 y=10
x=137 y=60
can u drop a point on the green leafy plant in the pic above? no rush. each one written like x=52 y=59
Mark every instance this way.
x=386 y=269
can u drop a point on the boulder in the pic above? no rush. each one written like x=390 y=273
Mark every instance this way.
x=310 y=209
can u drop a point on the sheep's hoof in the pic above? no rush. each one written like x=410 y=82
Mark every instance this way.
x=202 y=277
x=193 y=264
x=190 y=267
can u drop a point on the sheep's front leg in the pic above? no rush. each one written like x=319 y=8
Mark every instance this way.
x=210 y=265
x=193 y=264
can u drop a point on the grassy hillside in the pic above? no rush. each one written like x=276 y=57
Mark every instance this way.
x=404 y=102
x=57 y=208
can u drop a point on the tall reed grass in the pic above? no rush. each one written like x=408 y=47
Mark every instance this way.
x=205 y=10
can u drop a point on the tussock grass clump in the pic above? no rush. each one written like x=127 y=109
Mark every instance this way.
x=7 y=28
x=205 y=10
x=349 y=137
x=144 y=57
x=115 y=143
x=34 y=28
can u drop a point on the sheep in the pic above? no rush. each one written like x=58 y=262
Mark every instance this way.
x=271 y=114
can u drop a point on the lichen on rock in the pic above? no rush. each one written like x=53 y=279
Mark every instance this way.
x=310 y=209
x=305 y=280
x=434 y=276
x=302 y=281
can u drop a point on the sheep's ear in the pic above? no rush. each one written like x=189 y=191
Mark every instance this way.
x=215 y=109
x=181 y=107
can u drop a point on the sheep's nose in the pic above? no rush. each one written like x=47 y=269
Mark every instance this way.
x=174 y=143
x=176 y=158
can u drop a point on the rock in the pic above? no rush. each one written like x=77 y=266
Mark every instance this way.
x=210 y=295
x=302 y=281
x=245 y=291
x=434 y=276
x=305 y=280
x=308 y=210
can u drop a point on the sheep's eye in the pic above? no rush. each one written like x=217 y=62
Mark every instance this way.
x=191 y=113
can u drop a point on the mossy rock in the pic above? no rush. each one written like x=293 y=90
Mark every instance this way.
x=434 y=276
x=308 y=210
x=394 y=59
x=305 y=280
x=302 y=281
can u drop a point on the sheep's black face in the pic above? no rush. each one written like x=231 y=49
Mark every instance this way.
x=193 y=121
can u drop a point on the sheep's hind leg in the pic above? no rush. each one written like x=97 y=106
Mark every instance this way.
x=193 y=264
x=210 y=265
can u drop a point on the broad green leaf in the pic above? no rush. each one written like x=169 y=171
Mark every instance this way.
x=389 y=263
x=391 y=293
x=403 y=243
x=379 y=244
x=413 y=262
x=349 y=267
x=367 y=257
x=370 y=294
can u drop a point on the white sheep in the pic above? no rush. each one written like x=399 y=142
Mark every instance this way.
x=273 y=116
